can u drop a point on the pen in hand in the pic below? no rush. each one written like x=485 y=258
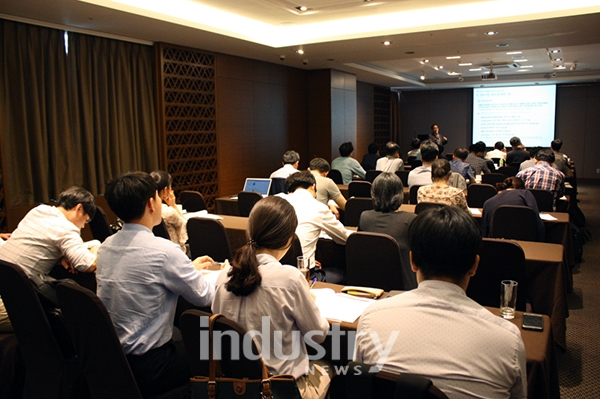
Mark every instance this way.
x=312 y=283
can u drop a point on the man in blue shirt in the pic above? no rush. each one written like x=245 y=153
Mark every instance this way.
x=140 y=277
x=347 y=165
x=459 y=165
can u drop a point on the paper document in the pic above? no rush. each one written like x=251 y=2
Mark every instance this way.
x=202 y=215
x=211 y=276
x=475 y=211
x=340 y=307
x=546 y=216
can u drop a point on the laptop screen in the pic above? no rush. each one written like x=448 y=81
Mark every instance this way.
x=260 y=186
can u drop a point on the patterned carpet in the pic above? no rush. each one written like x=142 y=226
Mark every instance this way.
x=579 y=366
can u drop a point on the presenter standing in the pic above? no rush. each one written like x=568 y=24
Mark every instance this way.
x=437 y=138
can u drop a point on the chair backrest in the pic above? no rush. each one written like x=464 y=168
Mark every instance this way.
x=48 y=373
x=514 y=222
x=423 y=206
x=100 y=226
x=373 y=260
x=508 y=171
x=371 y=175
x=544 y=199
x=412 y=194
x=415 y=163
x=233 y=362
x=354 y=208
x=496 y=161
x=364 y=382
x=360 y=189
x=192 y=201
x=499 y=260
x=160 y=230
x=403 y=175
x=336 y=176
x=246 y=201
x=492 y=178
x=291 y=256
x=477 y=194
x=208 y=237
x=99 y=351
x=277 y=186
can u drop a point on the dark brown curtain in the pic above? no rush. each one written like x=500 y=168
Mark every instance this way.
x=72 y=119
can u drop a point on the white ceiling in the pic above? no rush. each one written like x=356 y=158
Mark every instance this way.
x=348 y=34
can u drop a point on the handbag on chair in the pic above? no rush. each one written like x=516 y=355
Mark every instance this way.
x=217 y=386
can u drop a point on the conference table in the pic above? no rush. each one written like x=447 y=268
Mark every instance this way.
x=542 y=369
x=544 y=262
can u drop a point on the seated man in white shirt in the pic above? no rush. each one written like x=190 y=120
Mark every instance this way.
x=421 y=175
x=140 y=278
x=436 y=331
x=291 y=160
x=392 y=162
x=314 y=218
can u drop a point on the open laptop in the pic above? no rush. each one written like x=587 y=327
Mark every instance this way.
x=261 y=186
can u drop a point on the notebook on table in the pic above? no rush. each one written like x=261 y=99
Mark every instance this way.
x=261 y=186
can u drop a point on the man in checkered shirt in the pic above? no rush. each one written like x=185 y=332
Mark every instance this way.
x=543 y=176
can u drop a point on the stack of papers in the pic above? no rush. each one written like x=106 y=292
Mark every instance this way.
x=202 y=215
x=342 y=307
x=546 y=216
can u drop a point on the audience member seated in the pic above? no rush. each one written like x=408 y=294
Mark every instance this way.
x=498 y=152
x=415 y=151
x=518 y=153
x=140 y=277
x=347 y=165
x=370 y=160
x=543 y=176
x=475 y=159
x=175 y=223
x=561 y=161
x=48 y=235
x=314 y=218
x=291 y=160
x=327 y=190
x=530 y=162
x=458 y=164
x=510 y=192
x=421 y=175
x=436 y=331
x=257 y=287
x=386 y=217
x=392 y=161
x=440 y=192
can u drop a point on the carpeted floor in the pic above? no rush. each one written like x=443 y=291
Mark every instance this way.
x=579 y=366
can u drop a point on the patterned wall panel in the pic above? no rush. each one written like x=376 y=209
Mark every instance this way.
x=382 y=128
x=187 y=119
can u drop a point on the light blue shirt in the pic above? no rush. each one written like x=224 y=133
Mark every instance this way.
x=140 y=276
x=348 y=167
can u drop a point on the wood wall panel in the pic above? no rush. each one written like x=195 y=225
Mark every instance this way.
x=365 y=121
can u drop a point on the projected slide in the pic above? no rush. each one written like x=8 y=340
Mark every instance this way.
x=527 y=112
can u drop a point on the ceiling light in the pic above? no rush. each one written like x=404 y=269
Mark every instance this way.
x=454 y=57
x=491 y=33
x=560 y=67
x=300 y=51
x=441 y=67
x=422 y=75
x=555 y=51
x=451 y=73
x=386 y=43
x=521 y=59
x=514 y=52
x=474 y=69
x=558 y=59
x=526 y=66
x=302 y=8
x=466 y=64
x=425 y=60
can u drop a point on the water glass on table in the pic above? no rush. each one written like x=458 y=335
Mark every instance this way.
x=302 y=264
x=508 y=298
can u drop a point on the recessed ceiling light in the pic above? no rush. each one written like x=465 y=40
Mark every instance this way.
x=300 y=51
x=425 y=61
x=302 y=8
x=560 y=67
x=422 y=75
x=521 y=60
x=526 y=66
x=514 y=52
x=466 y=64
x=440 y=66
x=474 y=69
x=454 y=57
x=500 y=45
x=555 y=51
x=491 y=33
x=452 y=73
x=386 y=43
x=558 y=59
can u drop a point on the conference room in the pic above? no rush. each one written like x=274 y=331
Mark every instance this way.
x=104 y=91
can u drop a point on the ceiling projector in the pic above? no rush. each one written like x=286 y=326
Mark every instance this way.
x=489 y=76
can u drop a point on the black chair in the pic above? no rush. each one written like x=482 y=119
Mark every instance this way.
x=496 y=161
x=208 y=237
x=160 y=230
x=99 y=351
x=515 y=223
x=415 y=163
x=194 y=330
x=363 y=383
x=246 y=201
x=51 y=372
x=412 y=194
x=100 y=226
x=192 y=201
x=373 y=260
x=423 y=206
x=291 y=256
x=477 y=194
x=359 y=189
x=371 y=175
x=277 y=186
x=544 y=199
x=354 y=208
x=403 y=175
x=336 y=176
x=499 y=260
x=508 y=171
x=492 y=178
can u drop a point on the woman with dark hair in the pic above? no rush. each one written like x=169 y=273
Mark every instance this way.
x=387 y=192
x=175 y=222
x=257 y=290
x=440 y=192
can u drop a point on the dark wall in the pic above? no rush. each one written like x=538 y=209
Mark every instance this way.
x=577 y=121
x=365 y=118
